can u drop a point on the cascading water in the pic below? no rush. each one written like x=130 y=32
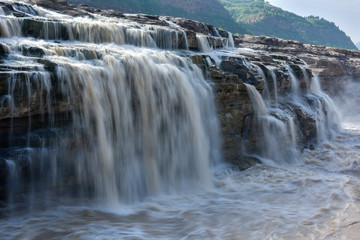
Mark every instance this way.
x=274 y=84
x=138 y=131
x=142 y=121
x=295 y=88
x=274 y=126
x=204 y=44
x=271 y=132
x=89 y=117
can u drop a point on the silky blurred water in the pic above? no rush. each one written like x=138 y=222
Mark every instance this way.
x=317 y=199
x=313 y=195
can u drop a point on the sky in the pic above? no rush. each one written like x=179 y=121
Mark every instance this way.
x=344 y=13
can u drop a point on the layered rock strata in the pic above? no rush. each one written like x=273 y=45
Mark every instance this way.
x=332 y=65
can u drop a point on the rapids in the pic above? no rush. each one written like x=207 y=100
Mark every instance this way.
x=317 y=199
x=129 y=146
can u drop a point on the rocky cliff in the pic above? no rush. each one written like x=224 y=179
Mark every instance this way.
x=332 y=65
x=33 y=81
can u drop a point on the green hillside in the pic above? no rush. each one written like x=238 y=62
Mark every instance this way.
x=208 y=11
x=262 y=18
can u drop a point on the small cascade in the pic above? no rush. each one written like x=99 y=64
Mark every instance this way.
x=274 y=84
x=328 y=117
x=204 y=45
x=306 y=78
x=231 y=40
x=295 y=86
x=9 y=26
x=276 y=120
x=271 y=133
x=262 y=77
x=292 y=130
x=315 y=86
x=257 y=100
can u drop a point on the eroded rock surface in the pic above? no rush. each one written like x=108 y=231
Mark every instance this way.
x=333 y=65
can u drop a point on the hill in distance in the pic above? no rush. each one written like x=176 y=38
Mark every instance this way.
x=262 y=18
x=358 y=45
x=238 y=16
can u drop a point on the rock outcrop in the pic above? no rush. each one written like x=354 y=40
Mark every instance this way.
x=332 y=65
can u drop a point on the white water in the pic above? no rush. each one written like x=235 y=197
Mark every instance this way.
x=318 y=199
x=271 y=132
x=295 y=86
x=274 y=128
x=274 y=84
x=149 y=128
x=204 y=44
x=130 y=115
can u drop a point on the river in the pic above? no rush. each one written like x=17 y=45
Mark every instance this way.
x=318 y=198
x=139 y=138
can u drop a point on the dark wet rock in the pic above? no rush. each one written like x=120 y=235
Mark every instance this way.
x=236 y=66
x=191 y=25
x=61 y=6
x=307 y=125
x=245 y=162
x=233 y=104
x=192 y=41
x=144 y=19
x=32 y=51
x=48 y=65
x=3 y=179
x=34 y=28
x=4 y=49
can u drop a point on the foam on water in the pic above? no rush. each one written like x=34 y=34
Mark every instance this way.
x=144 y=127
x=314 y=201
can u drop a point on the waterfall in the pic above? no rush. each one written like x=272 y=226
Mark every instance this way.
x=231 y=40
x=96 y=107
x=44 y=24
x=276 y=126
x=271 y=133
x=328 y=117
x=306 y=78
x=144 y=121
x=258 y=102
x=9 y=26
x=295 y=87
x=130 y=122
x=262 y=77
x=109 y=130
x=204 y=44
x=274 y=84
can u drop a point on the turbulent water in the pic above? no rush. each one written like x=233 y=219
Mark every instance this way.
x=317 y=199
x=131 y=142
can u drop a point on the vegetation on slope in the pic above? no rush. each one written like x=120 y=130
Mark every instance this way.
x=262 y=18
x=208 y=11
